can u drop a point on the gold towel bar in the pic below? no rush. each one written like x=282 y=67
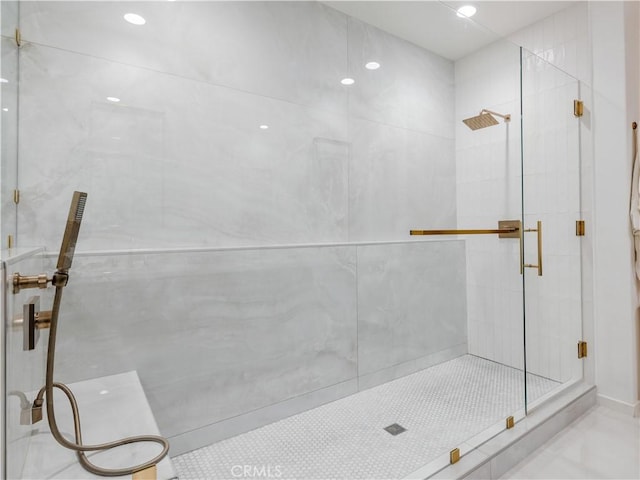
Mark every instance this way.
x=506 y=229
x=462 y=232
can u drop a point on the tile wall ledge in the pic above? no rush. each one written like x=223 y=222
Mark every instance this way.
x=14 y=255
x=179 y=250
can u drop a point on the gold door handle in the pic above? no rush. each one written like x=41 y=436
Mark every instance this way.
x=530 y=265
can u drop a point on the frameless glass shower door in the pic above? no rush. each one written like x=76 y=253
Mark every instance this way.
x=552 y=206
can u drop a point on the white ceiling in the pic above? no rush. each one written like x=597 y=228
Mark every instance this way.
x=434 y=25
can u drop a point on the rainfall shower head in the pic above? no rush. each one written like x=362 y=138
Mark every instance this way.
x=71 y=232
x=485 y=119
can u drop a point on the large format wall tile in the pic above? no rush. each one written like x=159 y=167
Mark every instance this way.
x=213 y=335
x=182 y=161
x=399 y=179
x=176 y=162
x=411 y=302
x=292 y=51
x=9 y=19
x=412 y=89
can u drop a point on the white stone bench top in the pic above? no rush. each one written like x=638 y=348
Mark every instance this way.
x=111 y=408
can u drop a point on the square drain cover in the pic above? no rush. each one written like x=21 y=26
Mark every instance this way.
x=395 y=429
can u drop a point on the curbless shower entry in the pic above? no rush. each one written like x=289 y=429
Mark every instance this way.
x=248 y=236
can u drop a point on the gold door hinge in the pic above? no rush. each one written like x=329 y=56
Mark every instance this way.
x=454 y=456
x=18 y=37
x=9 y=241
x=580 y=228
x=510 y=422
x=16 y=196
x=582 y=349
x=578 y=108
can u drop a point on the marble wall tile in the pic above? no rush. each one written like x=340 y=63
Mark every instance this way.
x=9 y=18
x=292 y=51
x=176 y=162
x=399 y=179
x=413 y=88
x=213 y=335
x=411 y=302
x=180 y=161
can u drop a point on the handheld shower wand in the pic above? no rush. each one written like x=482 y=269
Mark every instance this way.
x=59 y=280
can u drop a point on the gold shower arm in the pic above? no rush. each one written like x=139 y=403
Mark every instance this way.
x=507 y=117
x=506 y=229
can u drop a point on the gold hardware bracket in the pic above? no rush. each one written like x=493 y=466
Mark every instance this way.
x=454 y=456
x=18 y=37
x=146 y=474
x=506 y=117
x=31 y=333
x=29 y=281
x=510 y=422
x=9 y=241
x=579 y=228
x=16 y=196
x=582 y=349
x=36 y=410
x=514 y=227
x=32 y=321
x=42 y=320
x=578 y=108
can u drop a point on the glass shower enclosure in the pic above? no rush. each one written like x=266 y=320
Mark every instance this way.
x=245 y=247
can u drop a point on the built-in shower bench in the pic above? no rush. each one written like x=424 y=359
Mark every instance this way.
x=111 y=408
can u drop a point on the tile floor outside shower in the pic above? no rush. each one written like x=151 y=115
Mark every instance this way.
x=439 y=407
x=601 y=444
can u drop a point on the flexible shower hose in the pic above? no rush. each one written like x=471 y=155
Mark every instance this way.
x=47 y=390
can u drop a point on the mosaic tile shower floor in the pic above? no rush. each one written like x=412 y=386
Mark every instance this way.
x=439 y=407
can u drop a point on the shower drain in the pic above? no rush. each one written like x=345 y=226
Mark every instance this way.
x=395 y=429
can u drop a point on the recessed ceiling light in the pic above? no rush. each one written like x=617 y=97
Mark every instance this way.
x=347 y=81
x=264 y=127
x=113 y=99
x=466 y=11
x=104 y=392
x=372 y=65
x=5 y=109
x=135 y=19
x=4 y=80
